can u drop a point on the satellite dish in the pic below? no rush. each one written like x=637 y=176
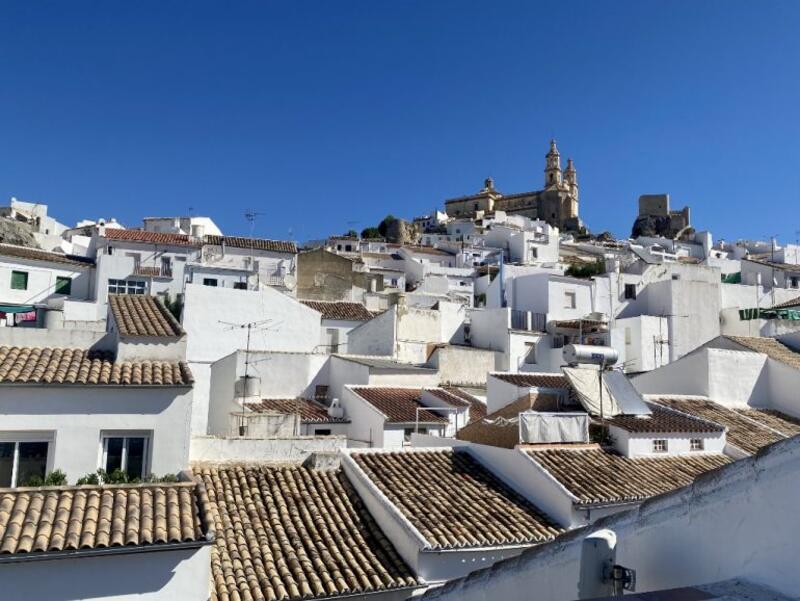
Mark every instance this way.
x=290 y=282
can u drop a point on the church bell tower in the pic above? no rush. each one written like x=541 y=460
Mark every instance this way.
x=552 y=170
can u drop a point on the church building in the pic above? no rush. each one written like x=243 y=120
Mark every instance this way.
x=556 y=203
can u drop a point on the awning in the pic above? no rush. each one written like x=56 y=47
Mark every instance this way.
x=16 y=308
x=750 y=314
x=618 y=397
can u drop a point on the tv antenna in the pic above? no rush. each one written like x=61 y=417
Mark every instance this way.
x=263 y=324
x=250 y=215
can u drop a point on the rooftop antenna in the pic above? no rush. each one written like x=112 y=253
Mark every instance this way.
x=250 y=215
x=263 y=324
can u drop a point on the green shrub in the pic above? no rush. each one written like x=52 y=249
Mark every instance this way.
x=88 y=479
x=55 y=478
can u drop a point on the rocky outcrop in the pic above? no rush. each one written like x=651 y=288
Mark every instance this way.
x=15 y=232
x=400 y=231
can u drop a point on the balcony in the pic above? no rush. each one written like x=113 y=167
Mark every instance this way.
x=153 y=272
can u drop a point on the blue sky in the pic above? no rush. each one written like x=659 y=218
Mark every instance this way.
x=317 y=114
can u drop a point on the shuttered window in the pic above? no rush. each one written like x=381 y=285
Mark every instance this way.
x=19 y=280
x=63 y=285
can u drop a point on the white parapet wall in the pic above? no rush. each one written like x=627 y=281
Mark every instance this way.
x=293 y=449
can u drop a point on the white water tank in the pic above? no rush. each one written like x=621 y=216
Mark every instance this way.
x=198 y=229
x=575 y=354
x=336 y=410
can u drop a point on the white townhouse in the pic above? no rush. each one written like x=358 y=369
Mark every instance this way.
x=245 y=263
x=33 y=280
x=78 y=410
x=142 y=262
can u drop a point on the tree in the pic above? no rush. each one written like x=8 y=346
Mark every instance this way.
x=351 y=234
x=370 y=232
x=383 y=225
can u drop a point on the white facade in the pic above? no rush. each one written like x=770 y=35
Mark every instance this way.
x=254 y=267
x=74 y=420
x=114 y=574
x=189 y=226
x=42 y=281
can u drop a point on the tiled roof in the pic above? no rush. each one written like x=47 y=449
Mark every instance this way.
x=151 y=237
x=385 y=363
x=502 y=433
x=771 y=347
x=309 y=411
x=795 y=302
x=663 y=420
x=785 y=424
x=454 y=501
x=340 y=310
x=143 y=315
x=30 y=365
x=426 y=250
x=477 y=408
x=533 y=380
x=47 y=520
x=448 y=397
x=747 y=429
x=281 y=246
x=598 y=476
x=286 y=533
x=398 y=404
x=35 y=254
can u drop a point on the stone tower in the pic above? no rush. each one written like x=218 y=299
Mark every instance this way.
x=571 y=179
x=552 y=170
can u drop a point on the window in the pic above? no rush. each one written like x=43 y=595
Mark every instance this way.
x=209 y=281
x=166 y=266
x=63 y=285
x=19 y=280
x=240 y=285
x=696 y=444
x=627 y=336
x=126 y=453
x=109 y=250
x=332 y=337
x=407 y=432
x=676 y=276
x=530 y=353
x=322 y=432
x=795 y=281
x=534 y=252
x=348 y=248
x=137 y=259
x=630 y=291
x=569 y=300
x=20 y=461
x=126 y=287
x=660 y=445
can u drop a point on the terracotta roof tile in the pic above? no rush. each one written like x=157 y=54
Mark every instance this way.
x=35 y=254
x=663 y=420
x=281 y=246
x=795 y=302
x=771 y=347
x=147 y=237
x=398 y=404
x=309 y=411
x=748 y=429
x=477 y=408
x=340 y=310
x=597 y=475
x=46 y=520
x=454 y=501
x=60 y=366
x=532 y=380
x=288 y=533
x=502 y=433
x=143 y=315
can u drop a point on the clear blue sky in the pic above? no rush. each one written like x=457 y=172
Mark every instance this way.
x=321 y=113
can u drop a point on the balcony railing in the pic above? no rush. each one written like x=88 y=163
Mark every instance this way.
x=153 y=272
x=528 y=321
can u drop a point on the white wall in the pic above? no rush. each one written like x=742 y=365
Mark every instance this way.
x=294 y=449
x=148 y=576
x=690 y=536
x=42 y=281
x=76 y=416
x=374 y=337
x=342 y=372
x=633 y=444
x=366 y=422
x=221 y=401
x=292 y=326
